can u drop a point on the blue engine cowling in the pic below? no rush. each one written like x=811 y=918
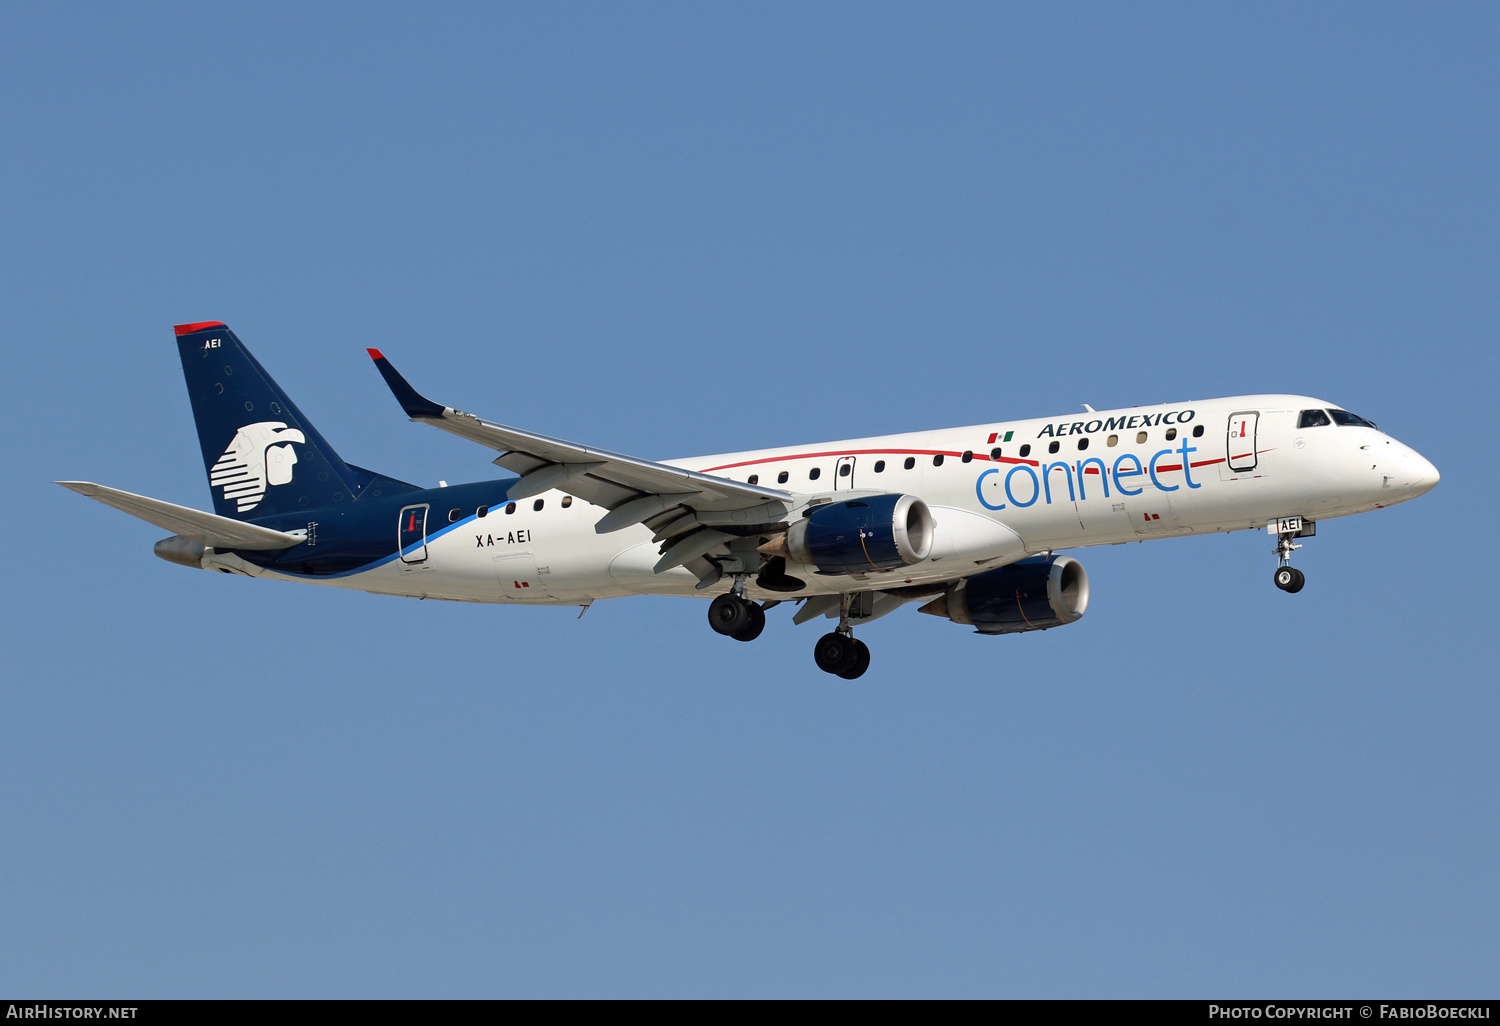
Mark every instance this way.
x=856 y=536
x=1029 y=595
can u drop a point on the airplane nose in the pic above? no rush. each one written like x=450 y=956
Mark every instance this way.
x=1421 y=475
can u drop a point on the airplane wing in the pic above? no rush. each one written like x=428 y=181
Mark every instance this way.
x=672 y=500
x=203 y=528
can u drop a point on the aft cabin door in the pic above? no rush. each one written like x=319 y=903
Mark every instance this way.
x=411 y=534
x=1242 y=440
x=843 y=474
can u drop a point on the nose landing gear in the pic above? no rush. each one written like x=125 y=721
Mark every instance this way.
x=1287 y=577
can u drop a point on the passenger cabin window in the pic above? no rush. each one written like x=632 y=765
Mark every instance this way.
x=995 y=453
x=880 y=466
x=1083 y=443
x=1054 y=446
x=482 y=511
x=1025 y=450
x=1198 y=431
x=1343 y=418
x=937 y=461
x=815 y=473
x=843 y=470
x=781 y=477
x=1312 y=419
x=510 y=507
x=1140 y=436
x=454 y=515
x=1171 y=434
x=968 y=456
x=754 y=479
x=538 y=504
x=567 y=501
x=1112 y=441
x=911 y=461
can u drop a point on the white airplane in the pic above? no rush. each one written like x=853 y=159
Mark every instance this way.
x=968 y=520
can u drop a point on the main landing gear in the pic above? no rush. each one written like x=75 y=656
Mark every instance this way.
x=842 y=655
x=1287 y=577
x=838 y=652
x=737 y=617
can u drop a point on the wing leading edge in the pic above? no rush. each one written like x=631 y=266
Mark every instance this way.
x=692 y=513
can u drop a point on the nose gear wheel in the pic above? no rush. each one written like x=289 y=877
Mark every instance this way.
x=1289 y=579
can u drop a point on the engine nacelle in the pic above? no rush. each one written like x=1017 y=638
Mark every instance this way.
x=856 y=536
x=1028 y=595
x=178 y=549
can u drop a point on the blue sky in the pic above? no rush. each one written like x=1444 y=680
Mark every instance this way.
x=679 y=229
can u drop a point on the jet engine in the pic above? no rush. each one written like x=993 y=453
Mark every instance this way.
x=1028 y=595
x=856 y=536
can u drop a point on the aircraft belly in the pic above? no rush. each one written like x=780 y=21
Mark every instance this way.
x=631 y=570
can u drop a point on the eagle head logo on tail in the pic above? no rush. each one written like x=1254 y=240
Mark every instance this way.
x=259 y=456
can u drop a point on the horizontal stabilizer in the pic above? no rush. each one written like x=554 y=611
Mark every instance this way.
x=195 y=525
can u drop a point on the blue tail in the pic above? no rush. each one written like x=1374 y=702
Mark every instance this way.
x=263 y=457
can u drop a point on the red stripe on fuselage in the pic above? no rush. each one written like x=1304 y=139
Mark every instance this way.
x=935 y=452
x=867 y=452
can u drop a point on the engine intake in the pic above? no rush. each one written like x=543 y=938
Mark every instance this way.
x=856 y=536
x=1028 y=595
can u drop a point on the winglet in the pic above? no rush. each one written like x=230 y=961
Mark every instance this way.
x=415 y=404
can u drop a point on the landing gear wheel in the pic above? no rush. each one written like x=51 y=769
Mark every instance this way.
x=1289 y=579
x=730 y=614
x=837 y=653
x=757 y=624
x=861 y=661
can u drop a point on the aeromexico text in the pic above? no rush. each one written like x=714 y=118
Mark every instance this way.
x=1143 y=420
x=1027 y=481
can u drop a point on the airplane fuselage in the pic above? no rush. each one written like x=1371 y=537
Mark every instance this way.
x=997 y=492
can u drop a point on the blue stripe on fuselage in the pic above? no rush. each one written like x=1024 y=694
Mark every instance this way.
x=356 y=532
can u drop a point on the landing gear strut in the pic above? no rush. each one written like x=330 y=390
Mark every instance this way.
x=1287 y=577
x=735 y=615
x=840 y=652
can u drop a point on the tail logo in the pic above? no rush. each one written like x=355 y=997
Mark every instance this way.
x=260 y=456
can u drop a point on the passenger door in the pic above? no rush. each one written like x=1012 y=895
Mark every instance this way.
x=411 y=534
x=1241 y=440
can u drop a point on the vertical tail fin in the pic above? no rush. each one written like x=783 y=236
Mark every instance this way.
x=262 y=455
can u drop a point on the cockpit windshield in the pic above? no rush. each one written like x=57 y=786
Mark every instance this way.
x=1343 y=418
x=1312 y=418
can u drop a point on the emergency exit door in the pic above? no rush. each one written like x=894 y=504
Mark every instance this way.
x=843 y=474
x=1242 y=440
